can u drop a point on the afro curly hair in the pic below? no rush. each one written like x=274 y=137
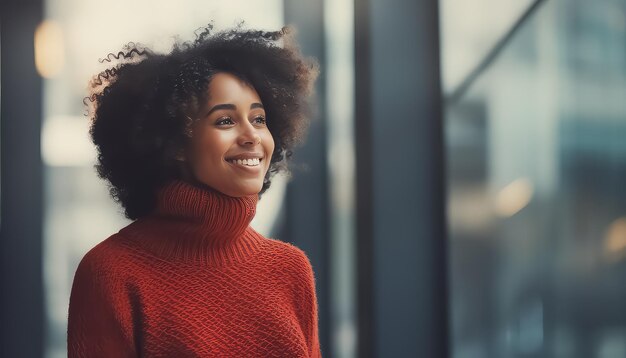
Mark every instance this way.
x=142 y=105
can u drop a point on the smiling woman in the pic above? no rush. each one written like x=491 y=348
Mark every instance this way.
x=188 y=142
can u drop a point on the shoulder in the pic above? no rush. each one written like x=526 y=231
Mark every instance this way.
x=291 y=257
x=287 y=248
x=105 y=260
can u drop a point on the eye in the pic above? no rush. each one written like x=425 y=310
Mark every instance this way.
x=223 y=119
x=261 y=119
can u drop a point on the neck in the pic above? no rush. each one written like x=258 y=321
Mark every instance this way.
x=194 y=222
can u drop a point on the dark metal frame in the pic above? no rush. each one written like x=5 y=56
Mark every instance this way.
x=401 y=226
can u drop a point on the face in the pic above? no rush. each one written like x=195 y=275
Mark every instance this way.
x=231 y=145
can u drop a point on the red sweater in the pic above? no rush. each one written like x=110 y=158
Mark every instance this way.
x=193 y=279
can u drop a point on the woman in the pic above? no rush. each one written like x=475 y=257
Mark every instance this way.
x=188 y=142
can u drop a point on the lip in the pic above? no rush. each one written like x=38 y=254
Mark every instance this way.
x=247 y=155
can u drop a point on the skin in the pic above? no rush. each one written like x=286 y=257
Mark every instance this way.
x=221 y=133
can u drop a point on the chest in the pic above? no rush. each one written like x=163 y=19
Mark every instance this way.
x=220 y=312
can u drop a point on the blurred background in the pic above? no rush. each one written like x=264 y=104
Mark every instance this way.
x=462 y=191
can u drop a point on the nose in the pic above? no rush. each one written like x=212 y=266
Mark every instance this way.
x=249 y=135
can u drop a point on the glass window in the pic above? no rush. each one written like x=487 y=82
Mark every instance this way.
x=469 y=29
x=537 y=207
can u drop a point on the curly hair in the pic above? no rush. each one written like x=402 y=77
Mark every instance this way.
x=142 y=105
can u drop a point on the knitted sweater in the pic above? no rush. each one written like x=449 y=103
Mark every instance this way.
x=193 y=279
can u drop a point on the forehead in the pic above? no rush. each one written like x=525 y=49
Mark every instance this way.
x=228 y=88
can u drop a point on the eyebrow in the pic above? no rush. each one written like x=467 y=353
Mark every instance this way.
x=232 y=106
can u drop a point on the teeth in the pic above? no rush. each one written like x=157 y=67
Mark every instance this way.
x=252 y=162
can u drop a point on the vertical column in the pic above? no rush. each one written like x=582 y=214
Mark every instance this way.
x=20 y=183
x=400 y=173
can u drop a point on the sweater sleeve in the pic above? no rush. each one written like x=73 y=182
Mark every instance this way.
x=314 y=335
x=312 y=309
x=99 y=318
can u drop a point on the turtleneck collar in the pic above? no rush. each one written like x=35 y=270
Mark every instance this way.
x=219 y=216
x=196 y=223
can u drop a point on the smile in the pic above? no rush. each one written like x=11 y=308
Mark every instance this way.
x=253 y=162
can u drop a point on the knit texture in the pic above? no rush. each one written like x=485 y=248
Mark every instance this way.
x=193 y=279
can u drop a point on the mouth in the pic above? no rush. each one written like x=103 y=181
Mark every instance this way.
x=246 y=163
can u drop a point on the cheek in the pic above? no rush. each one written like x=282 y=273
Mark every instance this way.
x=211 y=148
x=269 y=142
